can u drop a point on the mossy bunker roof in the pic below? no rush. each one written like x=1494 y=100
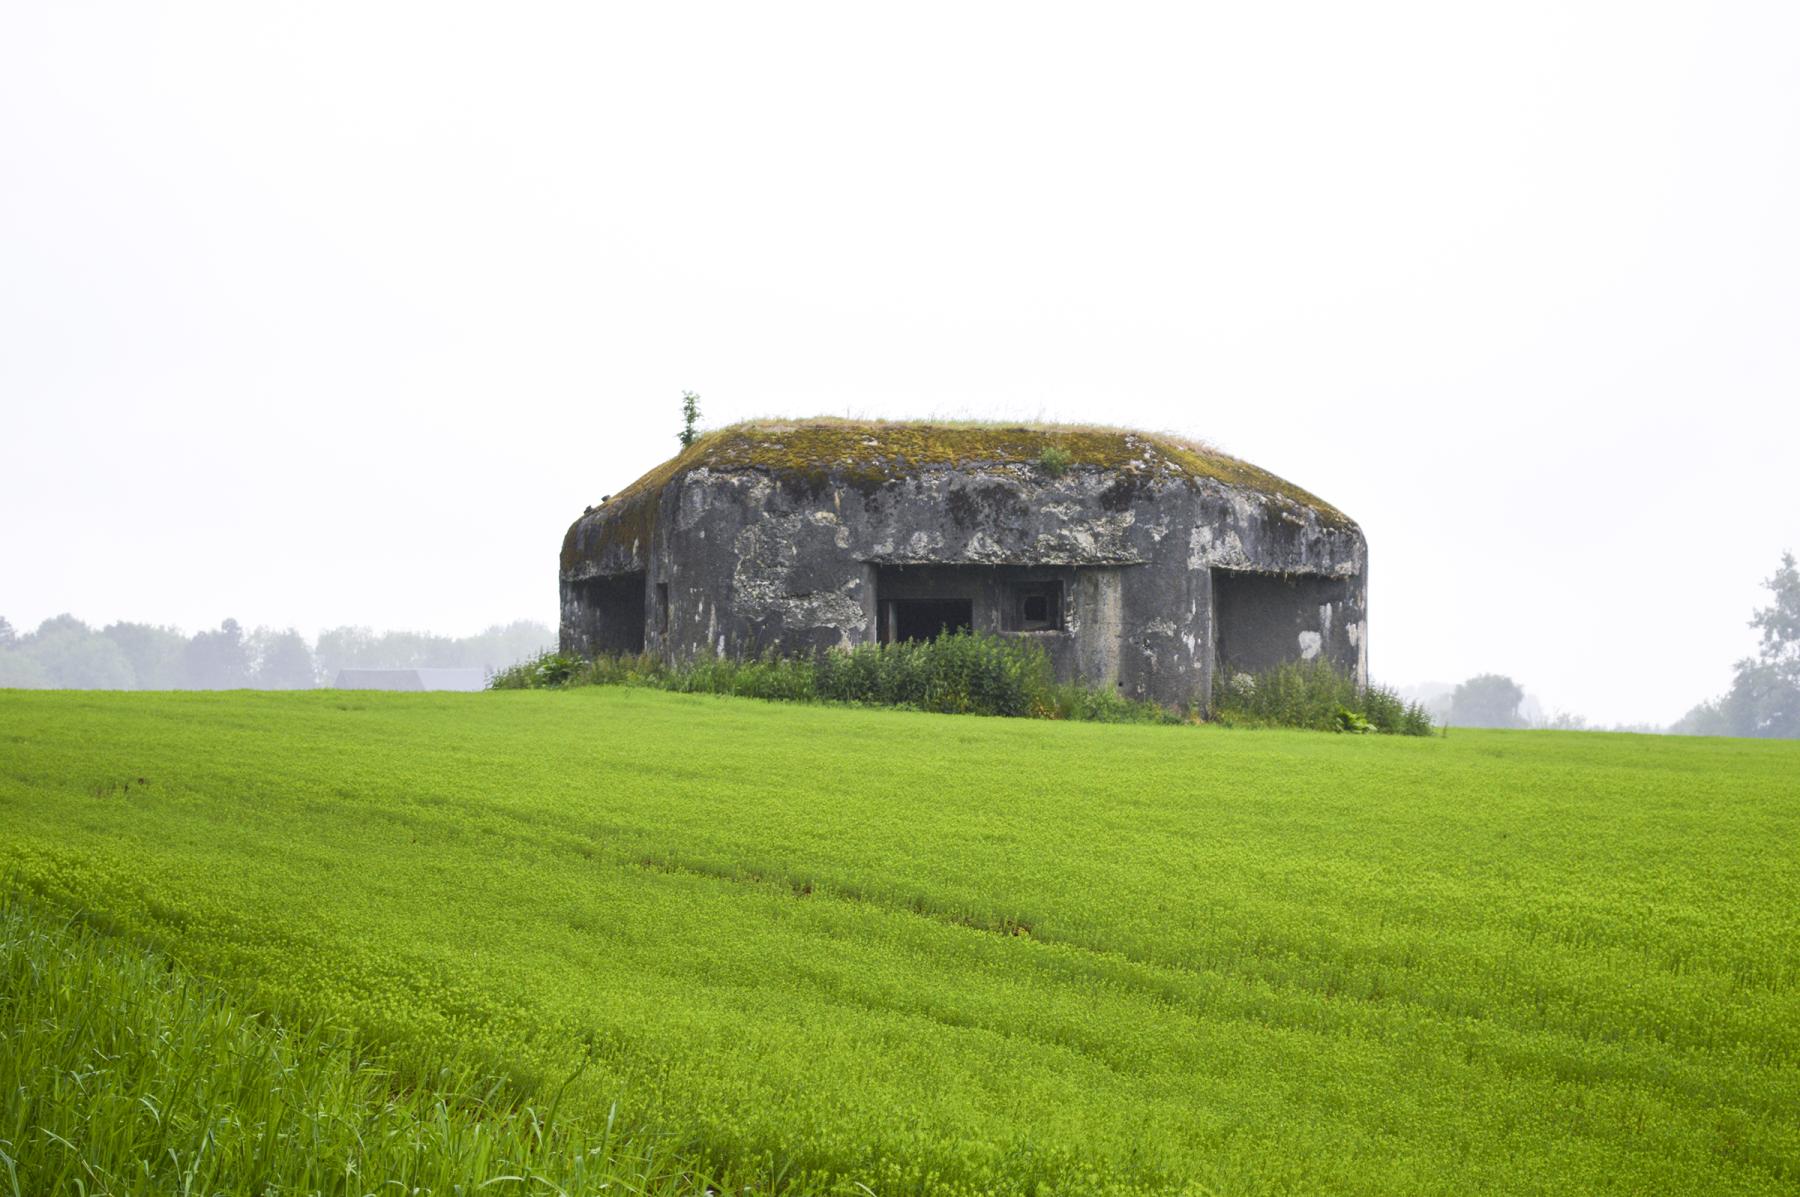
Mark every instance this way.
x=868 y=454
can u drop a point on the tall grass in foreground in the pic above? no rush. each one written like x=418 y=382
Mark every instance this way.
x=120 y=1076
x=976 y=957
x=975 y=673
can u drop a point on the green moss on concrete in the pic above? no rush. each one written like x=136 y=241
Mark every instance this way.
x=868 y=454
x=629 y=521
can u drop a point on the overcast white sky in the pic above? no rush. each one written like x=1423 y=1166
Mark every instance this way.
x=314 y=315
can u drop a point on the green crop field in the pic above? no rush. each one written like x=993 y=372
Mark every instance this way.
x=842 y=950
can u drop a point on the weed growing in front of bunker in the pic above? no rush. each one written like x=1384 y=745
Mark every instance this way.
x=1315 y=695
x=961 y=673
x=977 y=673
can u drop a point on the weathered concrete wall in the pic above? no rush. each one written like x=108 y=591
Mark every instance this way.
x=752 y=562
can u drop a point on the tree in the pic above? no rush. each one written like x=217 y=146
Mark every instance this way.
x=1764 y=699
x=17 y=670
x=20 y=671
x=155 y=653
x=1765 y=695
x=344 y=648
x=283 y=662
x=362 y=648
x=493 y=649
x=690 y=417
x=499 y=646
x=1779 y=622
x=217 y=660
x=75 y=657
x=1490 y=700
x=1706 y=719
x=416 y=650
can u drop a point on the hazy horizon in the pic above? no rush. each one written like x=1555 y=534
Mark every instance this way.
x=341 y=315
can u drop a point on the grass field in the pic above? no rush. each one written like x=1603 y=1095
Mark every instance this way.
x=803 y=946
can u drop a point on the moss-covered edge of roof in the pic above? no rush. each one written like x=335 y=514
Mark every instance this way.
x=869 y=453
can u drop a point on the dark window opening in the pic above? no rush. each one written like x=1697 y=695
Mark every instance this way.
x=615 y=613
x=1261 y=620
x=919 y=602
x=924 y=619
x=1036 y=607
x=662 y=609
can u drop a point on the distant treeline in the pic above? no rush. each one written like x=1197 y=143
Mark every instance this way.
x=65 y=653
x=1763 y=702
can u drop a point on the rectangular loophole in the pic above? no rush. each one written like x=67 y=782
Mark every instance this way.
x=614 y=612
x=924 y=618
x=1035 y=606
x=1261 y=620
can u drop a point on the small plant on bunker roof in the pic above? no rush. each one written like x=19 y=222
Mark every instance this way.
x=690 y=417
x=1055 y=461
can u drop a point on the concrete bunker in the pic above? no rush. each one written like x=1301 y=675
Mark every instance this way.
x=1141 y=563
